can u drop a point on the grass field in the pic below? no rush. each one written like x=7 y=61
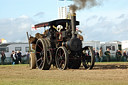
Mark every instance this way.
x=114 y=73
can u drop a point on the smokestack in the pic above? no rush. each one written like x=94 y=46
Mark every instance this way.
x=73 y=23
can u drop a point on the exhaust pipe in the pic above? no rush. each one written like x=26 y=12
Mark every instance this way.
x=73 y=23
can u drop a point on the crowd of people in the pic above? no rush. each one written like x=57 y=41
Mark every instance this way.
x=119 y=55
x=16 y=57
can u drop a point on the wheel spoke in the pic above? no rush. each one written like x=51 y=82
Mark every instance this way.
x=41 y=64
x=39 y=59
x=60 y=52
x=59 y=58
x=38 y=52
x=42 y=53
x=63 y=55
x=40 y=47
x=61 y=63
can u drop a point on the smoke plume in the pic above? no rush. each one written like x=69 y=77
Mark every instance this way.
x=81 y=4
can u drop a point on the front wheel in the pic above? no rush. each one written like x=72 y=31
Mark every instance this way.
x=32 y=61
x=88 y=58
x=61 y=58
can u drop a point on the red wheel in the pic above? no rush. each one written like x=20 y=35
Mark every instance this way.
x=88 y=58
x=61 y=58
x=41 y=55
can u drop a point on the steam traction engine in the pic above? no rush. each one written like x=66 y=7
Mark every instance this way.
x=60 y=45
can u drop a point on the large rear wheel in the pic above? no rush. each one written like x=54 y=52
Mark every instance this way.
x=49 y=54
x=88 y=57
x=41 y=55
x=61 y=58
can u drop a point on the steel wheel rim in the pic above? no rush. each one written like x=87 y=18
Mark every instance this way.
x=39 y=54
x=89 y=59
x=49 y=57
x=61 y=58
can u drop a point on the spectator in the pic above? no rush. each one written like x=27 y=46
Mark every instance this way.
x=19 y=56
x=3 y=57
x=107 y=53
x=127 y=55
x=97 y=56
x=14 y=58
x=94 y=51
x=28 y=54
x=124 y=56
x=101 y=55
x=118 y=55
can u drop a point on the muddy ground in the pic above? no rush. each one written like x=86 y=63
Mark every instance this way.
x=101 y=74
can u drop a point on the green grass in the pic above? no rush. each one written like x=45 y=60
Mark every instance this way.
x=20 y=74
x=111 y=62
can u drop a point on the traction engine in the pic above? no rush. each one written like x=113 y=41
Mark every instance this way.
x=60 y=45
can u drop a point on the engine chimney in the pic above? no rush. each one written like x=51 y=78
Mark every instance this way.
x=73 y=23
x=75 y=44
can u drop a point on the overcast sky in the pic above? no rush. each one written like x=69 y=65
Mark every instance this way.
x=105 y=22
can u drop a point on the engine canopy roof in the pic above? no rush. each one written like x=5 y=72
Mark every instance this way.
x=55 y=23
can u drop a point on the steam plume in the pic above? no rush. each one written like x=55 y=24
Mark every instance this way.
x=80 y=4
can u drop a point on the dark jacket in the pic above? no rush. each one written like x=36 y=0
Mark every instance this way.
x=3 y=56
x=107 y=53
